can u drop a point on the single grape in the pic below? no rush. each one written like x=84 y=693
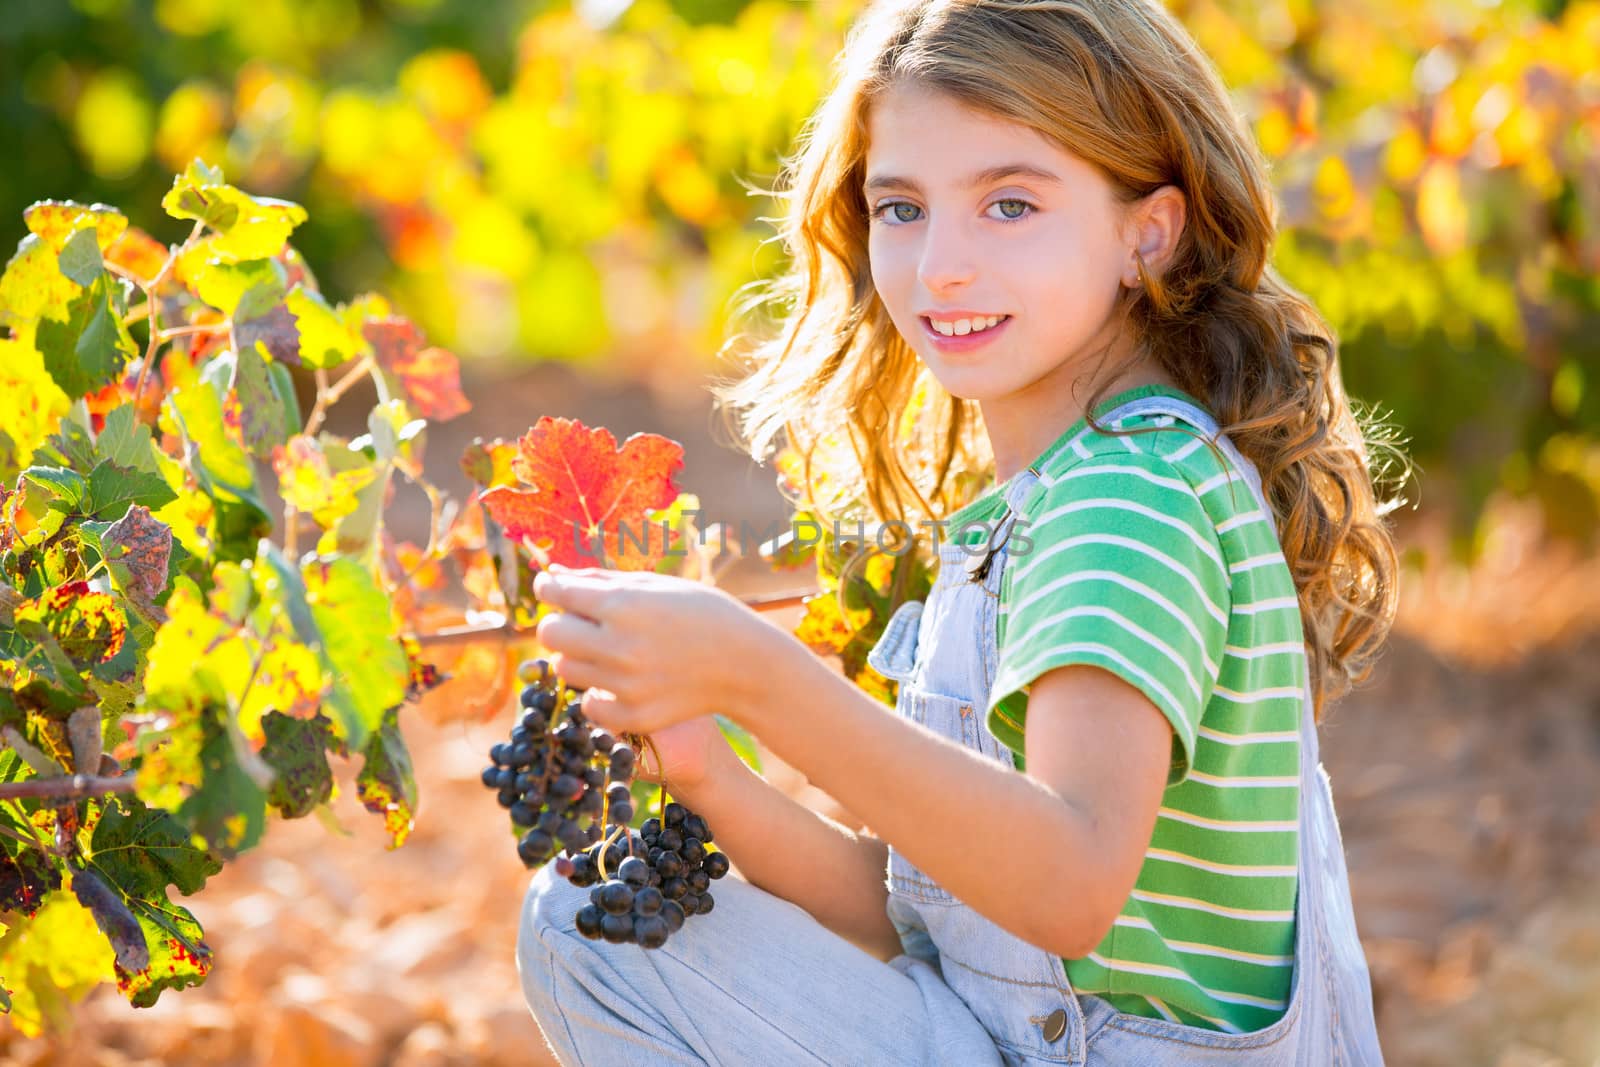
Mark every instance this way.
x=674 y=814
x=491 y=777
x=690 y=903
x=521 y=754
x=602 y=741
x=670 y=864
x=508 y=797
x=647 y=901
x=523 y=813
x=535 y=671
x=650 y=828
x=520 y=734
x=671 y=840
x=699 y=881
x=673 y=913
x=535 y=721
x=617 y=929
x=716 y=864
x=565 y=788
x=571 y=835
x=620 y=814
x=584 y=873
x=549 y=822
x=535 y=847
x=589 y=920
x=500 y=754
x=693 y=852
x=706 y=903
x=622 y=759
x=616 y=897
x=651 y=931
x=634 y=871
x=674 y=888
x=591 y=803
x=695 y=826
x=594 y=777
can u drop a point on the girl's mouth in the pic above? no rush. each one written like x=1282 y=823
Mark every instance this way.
x=966 y=343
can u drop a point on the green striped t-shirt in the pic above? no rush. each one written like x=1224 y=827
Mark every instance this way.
x=1150 y=558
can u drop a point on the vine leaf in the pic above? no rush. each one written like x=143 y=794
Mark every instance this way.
x=308 y=483
x=57 y=221
x=386 y=784
x=247 y=227
x=586 y=496
x=297 y=752
x=137 y=549
x=430 y=376
x=88 y=626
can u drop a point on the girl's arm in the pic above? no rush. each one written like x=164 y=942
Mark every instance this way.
x=793 y=852
x=1050 y=855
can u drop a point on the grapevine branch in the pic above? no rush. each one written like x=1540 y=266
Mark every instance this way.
x=67 y=787
x=505 y=631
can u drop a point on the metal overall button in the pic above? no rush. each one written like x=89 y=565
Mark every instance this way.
x=1053 y=1025
x=978 y=566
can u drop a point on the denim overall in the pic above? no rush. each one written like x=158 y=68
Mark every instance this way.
x=943 y=655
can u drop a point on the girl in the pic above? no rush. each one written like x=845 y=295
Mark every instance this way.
x=1106 y=833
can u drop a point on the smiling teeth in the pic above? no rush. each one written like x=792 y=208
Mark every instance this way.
x=962 y=327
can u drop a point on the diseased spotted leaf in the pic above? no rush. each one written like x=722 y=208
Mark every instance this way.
x=386 y=784
x=586 y=498
x=113 y=918
x=31 y=404
x=26 y=879
x=87 y=625
x=431 y=377
x=264 y=422
x=488 y=463
x=297 y=752
x=33 y=286
x=421 y=675
x=179 y=955
x=274 y=330
x=137 y=548
x=56 y=221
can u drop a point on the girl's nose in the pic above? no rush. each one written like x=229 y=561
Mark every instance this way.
x=948 y=258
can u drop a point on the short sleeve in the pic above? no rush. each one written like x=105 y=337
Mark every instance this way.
x=1115 y=564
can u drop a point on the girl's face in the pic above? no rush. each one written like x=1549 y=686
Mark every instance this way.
x=954 y=237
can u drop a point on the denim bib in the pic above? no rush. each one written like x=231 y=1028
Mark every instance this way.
x=943 y=654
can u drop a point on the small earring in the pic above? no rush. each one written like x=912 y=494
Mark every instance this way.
x=1144 y=280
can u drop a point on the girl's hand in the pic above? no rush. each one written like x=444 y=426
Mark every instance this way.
x=692 y=754
x=654 y=650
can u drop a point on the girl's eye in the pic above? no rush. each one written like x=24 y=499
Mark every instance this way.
x=1023 y=210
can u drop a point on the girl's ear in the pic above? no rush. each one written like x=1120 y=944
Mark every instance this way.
x=1154 y=224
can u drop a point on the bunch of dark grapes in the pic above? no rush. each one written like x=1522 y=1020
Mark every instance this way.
x=562 y=778
x=567 y=783
x=657 y=878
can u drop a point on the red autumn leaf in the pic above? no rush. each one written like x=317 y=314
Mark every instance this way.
x=431 y=377
x=138 y=253
x=586 y=498
x=89 y=626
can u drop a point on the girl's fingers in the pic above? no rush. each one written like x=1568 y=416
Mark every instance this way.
x=573 y=635
x=603 y=707
x=573 y=591
x=577 y=672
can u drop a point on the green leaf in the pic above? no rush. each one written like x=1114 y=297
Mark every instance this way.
x=366 y=662
x=325 y=340
x=80 y=258
x=740 y=741
x=66 y=489
x=386 y=784
x=87 y=349
x=142 y=850
x=222 y=467
x=113 y=489
x=245 y=290
x=126 y=441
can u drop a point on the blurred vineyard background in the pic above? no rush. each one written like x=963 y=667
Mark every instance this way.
x=567 y=195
